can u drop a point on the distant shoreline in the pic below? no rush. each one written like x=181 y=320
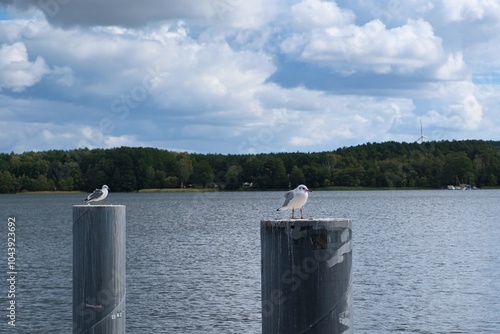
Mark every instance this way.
x=189 y=190
x=175 y=190
x=50 y=192
x=153 y=190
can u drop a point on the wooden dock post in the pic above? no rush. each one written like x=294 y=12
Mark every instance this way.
x=306 y=276
x=99 y=268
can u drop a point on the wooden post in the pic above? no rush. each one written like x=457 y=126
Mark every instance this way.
x=306 y=276
x=99 y=268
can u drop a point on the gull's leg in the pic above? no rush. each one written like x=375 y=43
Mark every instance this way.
x=301 y=213
x=293 y=217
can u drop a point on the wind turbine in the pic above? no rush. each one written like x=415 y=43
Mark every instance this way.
x=422 y=138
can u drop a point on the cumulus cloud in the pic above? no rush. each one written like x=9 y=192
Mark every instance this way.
x=164 y=64
x=472 y=111
x=459 y=10
x=214 y=76
x=453 y=69
x=317 y=120
x=19 y=136
x=327 y=34
x=371 y=47
x=459 y=106
x=316 y=13
x=17 y=72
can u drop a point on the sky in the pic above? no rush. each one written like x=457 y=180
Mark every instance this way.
x=244 y=77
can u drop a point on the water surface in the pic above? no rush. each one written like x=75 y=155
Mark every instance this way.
x=424 y=261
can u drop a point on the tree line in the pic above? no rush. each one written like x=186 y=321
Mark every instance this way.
x=374 y=165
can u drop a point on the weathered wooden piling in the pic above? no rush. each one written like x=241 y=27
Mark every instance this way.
x=306 y=276
x=99 y=268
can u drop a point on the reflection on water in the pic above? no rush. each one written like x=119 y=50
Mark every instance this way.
x=424 y=261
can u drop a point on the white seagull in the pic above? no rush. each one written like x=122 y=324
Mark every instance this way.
x=97 y=195
x=295 y=198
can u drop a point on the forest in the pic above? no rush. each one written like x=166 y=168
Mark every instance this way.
x=428 y=165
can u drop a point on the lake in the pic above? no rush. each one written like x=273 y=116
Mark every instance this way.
x=423 y=261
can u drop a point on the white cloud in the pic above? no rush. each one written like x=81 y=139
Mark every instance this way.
x=17 y=72
x=459 y=10
x=95 y=137
x=315 y=120
x=243 y=15
x=460 y=109
x=214 y=76
x=453 y=69
x=473 y=111
x=21 y=136
x=316 y=13
x=371 y=47
x=118 y=141
x=165 y=63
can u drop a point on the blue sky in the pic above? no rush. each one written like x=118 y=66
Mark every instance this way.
x=231 y=76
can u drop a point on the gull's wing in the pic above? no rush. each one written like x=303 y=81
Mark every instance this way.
x=288 y=197
x=96 y=194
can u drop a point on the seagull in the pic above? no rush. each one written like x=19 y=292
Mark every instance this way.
x=295 y=199
x=97 y=195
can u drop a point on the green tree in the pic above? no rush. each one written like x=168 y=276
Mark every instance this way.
x=457 y=165
x=171 y=182
x=233 y=178
x=7 y=183
x=148 y=180
x=159 y=180
x=67 y=183
x=184 y=168
x=273 y=174
x=203 y=174
x=390 y=164
x=297 y=177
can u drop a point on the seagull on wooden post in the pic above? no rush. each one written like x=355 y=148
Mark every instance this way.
x=294 y=199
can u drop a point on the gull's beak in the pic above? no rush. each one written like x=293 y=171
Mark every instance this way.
x=309 y=190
